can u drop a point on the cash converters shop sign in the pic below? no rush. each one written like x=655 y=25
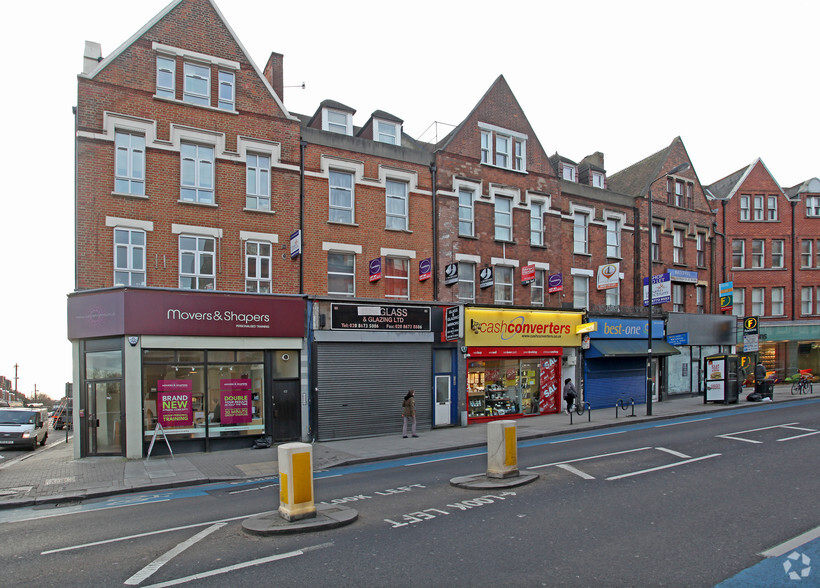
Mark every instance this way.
x=498 y=328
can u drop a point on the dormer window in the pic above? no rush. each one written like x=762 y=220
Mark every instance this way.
x=386 y=132
x=337 y=121
x=597 y=179
x=569 y=172
x=503 y=148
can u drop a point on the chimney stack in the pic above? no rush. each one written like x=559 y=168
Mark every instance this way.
x=274 y=73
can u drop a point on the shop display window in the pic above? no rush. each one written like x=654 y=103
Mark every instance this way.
x=194 y=393
x=494 y=388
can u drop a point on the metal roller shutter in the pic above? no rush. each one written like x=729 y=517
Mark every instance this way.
x=361 y=387
x=608 y=380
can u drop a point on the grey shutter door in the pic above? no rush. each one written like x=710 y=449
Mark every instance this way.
x=361 y=387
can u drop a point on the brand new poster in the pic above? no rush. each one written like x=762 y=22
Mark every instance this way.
x=235 y=401
x=175 y=403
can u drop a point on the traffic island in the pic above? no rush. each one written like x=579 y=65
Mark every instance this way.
x=502 y=461
x=297 y=512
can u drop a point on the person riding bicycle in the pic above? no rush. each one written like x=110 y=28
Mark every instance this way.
x=570 y=394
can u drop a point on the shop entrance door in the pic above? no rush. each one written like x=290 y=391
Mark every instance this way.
x=286 y=414
x=103 y=417
x=442 y=400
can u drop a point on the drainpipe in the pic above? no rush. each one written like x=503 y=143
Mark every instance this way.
x=302 y=147
x=435 y=233
x=75 y=112
x=794 y=261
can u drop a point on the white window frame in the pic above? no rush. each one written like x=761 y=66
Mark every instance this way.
x=503 y=148
x=778 y=253
x=678 y=299
x=166 y=66
x=503 y=218
x=613 y=237
x=771 y=207
x=700 y=299
x=341 y=127
x=580 y=231
x=806 y=295
x=700 y=246
x=466 y=212
x=134 y=254
x=745 y=207
x=612 y=297
x=813 y=206
x=569 y=172
x=258 y=266
x=757 y=204
x=806 y=257
x=679 y=193
x=396 y=281
x=346 y=211
x=655 y=243
x=777 y=295
x=580 y=291
x=739 y=302
x=738 y=253
x=196 y=72
x=758 y=255
x=466 y=281
x=504 y=284
x=537 y=222
x=202 y=280
x=349 y=252
x=597 y=179
x=129 y=150
x=257 y=181
x=226 y=98
x=678 y=237
x=758 y=301
x=396 y=196
x=201 y=187
x=537 y=287
x=386 y=132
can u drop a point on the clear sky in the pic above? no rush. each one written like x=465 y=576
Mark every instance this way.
x=736 y=80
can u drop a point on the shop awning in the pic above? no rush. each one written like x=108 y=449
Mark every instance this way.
x=627 y=348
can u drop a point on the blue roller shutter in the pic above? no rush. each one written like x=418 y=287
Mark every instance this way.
x=607 y=380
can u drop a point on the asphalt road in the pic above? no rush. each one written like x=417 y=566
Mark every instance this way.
x=689 y=504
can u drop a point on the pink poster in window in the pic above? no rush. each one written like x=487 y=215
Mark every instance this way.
x=549 y=401
x=175 y=403
x=235 y=405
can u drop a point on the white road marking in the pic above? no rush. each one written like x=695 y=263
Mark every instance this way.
x=733 y=436
x=576 y=471
x=425 y=462
x=675 y=453
x=689 y=422
x=239 y=566
x=799 y=436
x=792 y=544
x=663 y=467
x=155 y=565
x=546 y=465
x=585 y=437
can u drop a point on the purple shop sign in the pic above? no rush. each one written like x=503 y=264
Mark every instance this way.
x=425 y=269
x=163 y=312
x=556 y=283
x=375 y=269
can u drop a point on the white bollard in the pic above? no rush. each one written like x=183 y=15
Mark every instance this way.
x=502 y=449
x=296 y=481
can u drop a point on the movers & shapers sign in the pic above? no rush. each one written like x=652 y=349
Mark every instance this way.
x=518 y=328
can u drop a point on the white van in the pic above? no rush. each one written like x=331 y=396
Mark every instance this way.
x=23 y=426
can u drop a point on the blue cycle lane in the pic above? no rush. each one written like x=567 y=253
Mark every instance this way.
x=795 y=563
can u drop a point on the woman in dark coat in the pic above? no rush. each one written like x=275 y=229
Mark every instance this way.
x=408 y=413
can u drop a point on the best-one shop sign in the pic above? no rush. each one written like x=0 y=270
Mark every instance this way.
x=517 y=328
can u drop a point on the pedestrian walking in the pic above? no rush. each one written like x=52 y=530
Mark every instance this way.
x=760 y=376
x=570 y=394
x=408 y=413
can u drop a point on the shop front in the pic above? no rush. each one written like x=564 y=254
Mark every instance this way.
x=784 y=348
x=366 y=357
x=695 y=336
x=514 y=361
x=185 y=371
x=615 y=364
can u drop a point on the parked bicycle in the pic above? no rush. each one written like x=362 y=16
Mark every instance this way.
x=803 y=385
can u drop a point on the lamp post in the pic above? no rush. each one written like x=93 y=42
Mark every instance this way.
x=674 y=170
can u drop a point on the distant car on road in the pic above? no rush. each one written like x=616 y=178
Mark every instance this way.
x=23 y=426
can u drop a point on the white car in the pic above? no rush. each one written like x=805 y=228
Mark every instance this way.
x=23 y=427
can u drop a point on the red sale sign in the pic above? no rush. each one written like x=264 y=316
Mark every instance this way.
x=549 y=401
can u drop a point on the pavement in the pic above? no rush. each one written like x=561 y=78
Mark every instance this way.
x=50 y=474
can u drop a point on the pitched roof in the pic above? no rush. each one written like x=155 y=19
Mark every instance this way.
x=636 y=178
x=727 y=187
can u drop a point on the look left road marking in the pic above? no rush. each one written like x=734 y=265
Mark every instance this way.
x=155 y=565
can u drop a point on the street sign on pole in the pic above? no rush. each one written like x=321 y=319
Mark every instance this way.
x=750 y=334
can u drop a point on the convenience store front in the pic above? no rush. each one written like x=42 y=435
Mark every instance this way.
x=513 y=361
